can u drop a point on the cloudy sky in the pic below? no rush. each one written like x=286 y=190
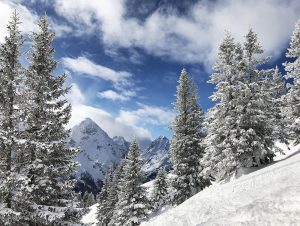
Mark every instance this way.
x=124 y=57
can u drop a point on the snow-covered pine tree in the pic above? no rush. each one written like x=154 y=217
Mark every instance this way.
x=104 y=206
x=186 y=144
x=132 y=206
x=293 y=96
x=113 y=191
x=160 y=193
x=221 y=119
x=275 y=85
x=120 y=173
x=239 y=130
x=88 y=199
x=196 y=139
x=256 y=141
x=48 y=196
x=11 y=76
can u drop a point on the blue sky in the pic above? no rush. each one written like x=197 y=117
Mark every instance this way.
x=124 y=57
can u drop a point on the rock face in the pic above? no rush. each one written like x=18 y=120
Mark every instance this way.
x=97 y=152
x=156 y=156
x=121 y=142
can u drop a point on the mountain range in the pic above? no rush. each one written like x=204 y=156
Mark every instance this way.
x=98 y=151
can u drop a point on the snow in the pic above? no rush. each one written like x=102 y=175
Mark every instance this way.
x=90 y=217
x=267 y=196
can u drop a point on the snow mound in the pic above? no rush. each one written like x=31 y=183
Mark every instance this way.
x=268 y=196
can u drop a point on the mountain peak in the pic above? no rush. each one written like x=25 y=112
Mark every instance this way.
x=89 y=127
x=97 y=149
x=162 y=138
x=156 y=156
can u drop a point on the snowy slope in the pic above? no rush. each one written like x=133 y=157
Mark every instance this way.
x=156 y=156
x=268 y=196
x=97 y=149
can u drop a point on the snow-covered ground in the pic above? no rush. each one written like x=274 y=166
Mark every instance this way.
x=268 y=196
x=90 y=217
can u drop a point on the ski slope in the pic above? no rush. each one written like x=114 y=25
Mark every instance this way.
x=268 y=196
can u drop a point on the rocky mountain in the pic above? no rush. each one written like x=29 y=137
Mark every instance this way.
x=121 y=142
x=97 y=152
x=156 y=156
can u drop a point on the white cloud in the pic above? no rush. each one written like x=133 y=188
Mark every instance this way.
x=189 y=39
x=75 y=96
x=146 y=115
x=121 y=80
x=85 y=66
x=114 y=96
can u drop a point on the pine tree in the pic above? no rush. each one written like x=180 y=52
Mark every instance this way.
x=275 y=85
x=239 y=130
x=256 y=141
x=186 y=144
x=11 y=76
x=196 y=139
x=160 y=193
x=222 y=118
x=113 y=192
x=49 y=192
x=104 y=206
x=293 y=96
x=132 y=206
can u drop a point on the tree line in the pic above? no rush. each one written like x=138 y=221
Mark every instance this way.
x=255 y=107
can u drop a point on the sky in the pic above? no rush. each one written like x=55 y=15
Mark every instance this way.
x=124 y=57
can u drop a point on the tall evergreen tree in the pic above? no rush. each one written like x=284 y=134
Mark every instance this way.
x=11 y=76
x=186 y=144
x=48 y=194
x=113 y=192
x=275 y=85
x=196 y=139
x=88 y=199
x=132 y=206
x=222 y=118
x=293 y=96
x=104 y=206
x=160 y=193
x=239 y=130
x=256 y=141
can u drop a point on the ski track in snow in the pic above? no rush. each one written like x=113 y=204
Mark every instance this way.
x=268 y=196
